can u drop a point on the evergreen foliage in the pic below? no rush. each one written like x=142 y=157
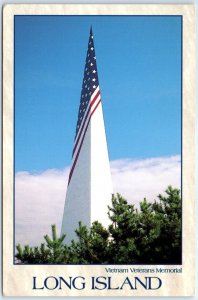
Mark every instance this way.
x=150 y=235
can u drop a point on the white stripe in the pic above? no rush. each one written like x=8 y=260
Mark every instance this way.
x=87 y=120
x=94 y=93
x=92 y=96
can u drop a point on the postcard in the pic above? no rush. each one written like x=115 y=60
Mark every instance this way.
x=98 y=150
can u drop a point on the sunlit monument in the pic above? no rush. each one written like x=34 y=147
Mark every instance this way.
x=89 y=185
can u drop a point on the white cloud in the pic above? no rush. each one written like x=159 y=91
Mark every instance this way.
x=40 y=197
x=137 y=179
x=39 y=202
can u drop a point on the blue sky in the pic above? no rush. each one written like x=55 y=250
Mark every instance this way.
x=139 y=66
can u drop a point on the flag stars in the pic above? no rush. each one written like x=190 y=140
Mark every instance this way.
x=90 y=82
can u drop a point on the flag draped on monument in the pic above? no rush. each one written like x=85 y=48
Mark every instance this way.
x=89 y=185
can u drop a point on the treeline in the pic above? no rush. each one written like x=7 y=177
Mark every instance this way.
x=149 y=235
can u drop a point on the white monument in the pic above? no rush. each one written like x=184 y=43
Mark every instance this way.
x=89 y=188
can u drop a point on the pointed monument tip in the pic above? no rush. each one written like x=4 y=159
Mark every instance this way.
x=91 y=32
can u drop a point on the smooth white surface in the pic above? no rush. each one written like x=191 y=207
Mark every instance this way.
x=90 y=189
x=78 y=197
x=101 y=183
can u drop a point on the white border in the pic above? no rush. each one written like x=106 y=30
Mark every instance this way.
x=189 y=86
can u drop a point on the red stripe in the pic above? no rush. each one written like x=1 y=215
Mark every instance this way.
x=92 y=102
x=75 y=161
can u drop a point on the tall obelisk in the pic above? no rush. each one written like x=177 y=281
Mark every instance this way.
x=89 y=185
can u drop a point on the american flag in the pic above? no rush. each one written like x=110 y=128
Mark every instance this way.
x=89 y=101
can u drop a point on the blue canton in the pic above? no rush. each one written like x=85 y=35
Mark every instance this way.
x=90 y=81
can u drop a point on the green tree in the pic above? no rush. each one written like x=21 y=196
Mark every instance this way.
x=56 y=246
x=53 y=252
x=92 y=244
x=123 y=230
x=150 y=235
x=32 y=255
x=169 y=240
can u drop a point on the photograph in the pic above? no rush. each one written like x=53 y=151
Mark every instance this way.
x=98 y=145
x=98 y=139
